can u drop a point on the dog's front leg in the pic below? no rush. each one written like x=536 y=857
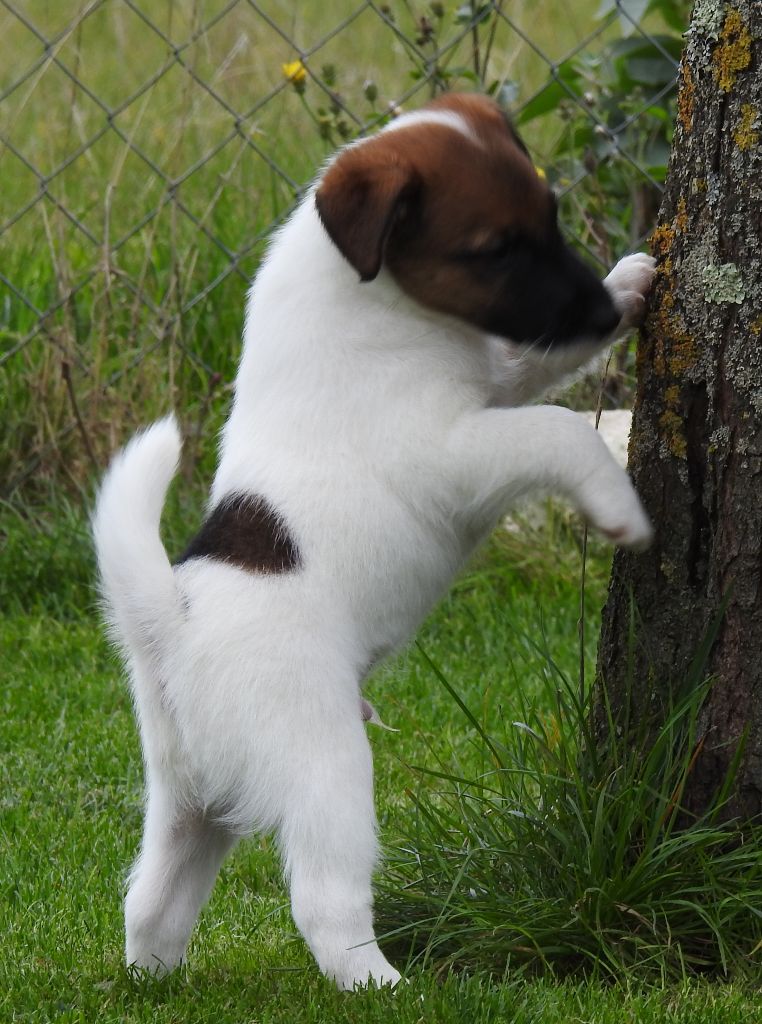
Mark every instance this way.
x=500 y=455
x=328 y=841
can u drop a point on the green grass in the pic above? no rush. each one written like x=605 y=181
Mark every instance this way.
x=568 y=850
x=71 y=804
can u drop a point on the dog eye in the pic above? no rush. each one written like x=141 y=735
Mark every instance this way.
x=496 y=249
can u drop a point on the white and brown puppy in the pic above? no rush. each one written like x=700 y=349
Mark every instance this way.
x=419 y=296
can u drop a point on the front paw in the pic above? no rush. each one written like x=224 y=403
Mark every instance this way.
x=612 y=507
x=628 y=284
x=635 y=532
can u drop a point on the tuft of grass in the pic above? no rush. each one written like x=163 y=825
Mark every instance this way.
x=568 y=849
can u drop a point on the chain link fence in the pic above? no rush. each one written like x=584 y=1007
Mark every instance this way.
x=147 y=150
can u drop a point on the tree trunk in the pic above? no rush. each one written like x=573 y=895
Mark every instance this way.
x=696 y=445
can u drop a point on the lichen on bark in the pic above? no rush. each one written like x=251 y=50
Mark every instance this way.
x=733 y=54
x=722 y=283
x=745 y=135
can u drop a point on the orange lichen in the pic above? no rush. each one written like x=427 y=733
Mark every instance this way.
x=673 y=351
x=733 y=53
x=686 y=97
x=682 y=353
x=672 y=434
x=745 y=136
x=681 y=218
x=671 y=423
x=661 y=239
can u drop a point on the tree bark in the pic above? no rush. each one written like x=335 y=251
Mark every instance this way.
x=696 y=444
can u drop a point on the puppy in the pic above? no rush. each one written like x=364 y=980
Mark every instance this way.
x=419 y=296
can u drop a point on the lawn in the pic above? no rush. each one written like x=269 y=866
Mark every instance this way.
x=71 y=803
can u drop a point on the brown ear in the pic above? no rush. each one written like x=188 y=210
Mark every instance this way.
x=359 y=199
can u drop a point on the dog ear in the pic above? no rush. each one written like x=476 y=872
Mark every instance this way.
x=363 y=193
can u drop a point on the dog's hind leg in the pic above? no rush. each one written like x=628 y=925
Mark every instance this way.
x=328 y=840
x=178 y=863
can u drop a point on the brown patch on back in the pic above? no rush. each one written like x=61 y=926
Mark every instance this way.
x=245 y=531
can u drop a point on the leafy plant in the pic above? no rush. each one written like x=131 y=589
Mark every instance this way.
x=616 y=106
x=570 y=850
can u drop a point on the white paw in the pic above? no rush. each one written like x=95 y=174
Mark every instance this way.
x=358 y=970
x=628 y=285
x=636 y=532
x=612 y=506
x=149 y=963
x=151 y=946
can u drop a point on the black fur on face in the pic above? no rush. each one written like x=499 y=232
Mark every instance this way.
x=538 y=292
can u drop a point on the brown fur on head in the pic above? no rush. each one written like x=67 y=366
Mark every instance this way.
x=455 y=210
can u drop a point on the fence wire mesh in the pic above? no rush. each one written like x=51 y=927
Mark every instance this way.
x=147 y=151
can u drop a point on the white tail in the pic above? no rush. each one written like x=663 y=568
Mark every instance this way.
x=137 y=581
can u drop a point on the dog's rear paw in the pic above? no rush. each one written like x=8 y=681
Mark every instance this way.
x=357 y=972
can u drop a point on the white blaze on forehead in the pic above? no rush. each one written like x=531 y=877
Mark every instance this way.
x=447 y=118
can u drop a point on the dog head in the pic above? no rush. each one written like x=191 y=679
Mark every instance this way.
x=448 y=200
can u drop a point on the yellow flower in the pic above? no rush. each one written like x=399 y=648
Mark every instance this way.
x=295 y=72
x=540 y=172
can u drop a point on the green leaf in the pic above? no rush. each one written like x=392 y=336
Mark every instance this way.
x=463 y=72
x=651 y=70
x=674 y=12
x=562 y=86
